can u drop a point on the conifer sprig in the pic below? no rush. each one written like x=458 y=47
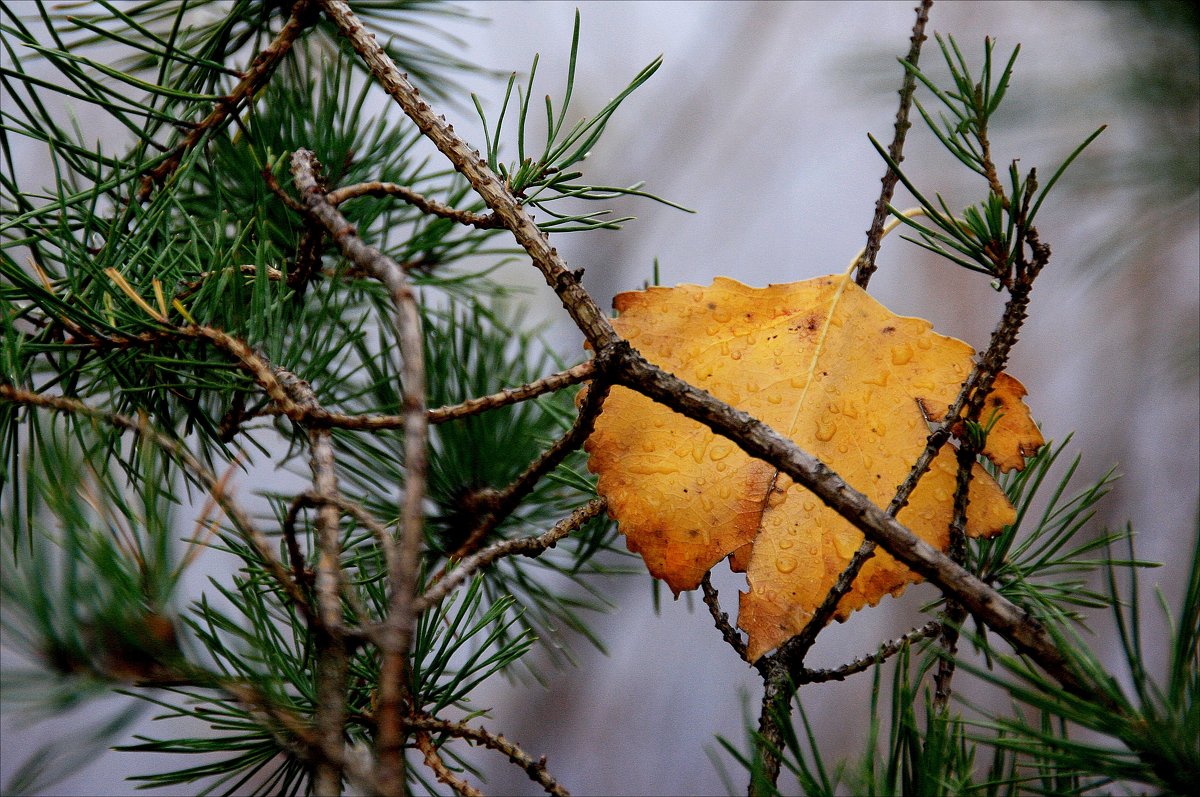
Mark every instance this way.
x=267 y=270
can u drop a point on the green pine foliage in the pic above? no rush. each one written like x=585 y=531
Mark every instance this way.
x=1148 y=748
x=164 y=291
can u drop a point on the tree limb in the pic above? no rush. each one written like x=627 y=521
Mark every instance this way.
x=526 y=546
x=256 y=76
x=866 y=262
x=430 y=207
x=401 y=617
x=535 y=769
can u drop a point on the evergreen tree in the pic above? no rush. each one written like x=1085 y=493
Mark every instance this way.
x=270 y=273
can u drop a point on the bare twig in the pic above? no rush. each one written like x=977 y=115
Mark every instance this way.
x=401 y=617
x=993 y=361
x=324 y=481
x=952 y=619
x=512 y=395
x=721 y=619
x=474 y=406
x=430 y=207
x=443 y=772
x=312 y=415
x=866 y=262
x=886 y=650
x=535 y=769
x=526 y=546
x=300 y=570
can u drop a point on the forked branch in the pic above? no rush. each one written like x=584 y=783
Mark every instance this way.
x=401 y=618
x=629 y=369
x=535 y=769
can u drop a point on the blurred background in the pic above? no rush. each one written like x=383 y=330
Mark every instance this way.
x=758 y=121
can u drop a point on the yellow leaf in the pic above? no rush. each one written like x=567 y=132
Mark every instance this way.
x=841 y=375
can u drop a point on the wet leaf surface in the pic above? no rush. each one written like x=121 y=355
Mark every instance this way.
x=849 y=381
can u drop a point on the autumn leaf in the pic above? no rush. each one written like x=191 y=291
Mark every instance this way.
x=841 y=375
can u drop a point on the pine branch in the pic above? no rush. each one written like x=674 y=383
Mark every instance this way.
x=866 y=262
x=255 y=77
x=629 y=369
x=886 y=650
x=214 y=485
x=535 y=769
x=525 y=546
x=547 y=384
x=318 y=417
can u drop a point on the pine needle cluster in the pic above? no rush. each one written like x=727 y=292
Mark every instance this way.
x=276 y=266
